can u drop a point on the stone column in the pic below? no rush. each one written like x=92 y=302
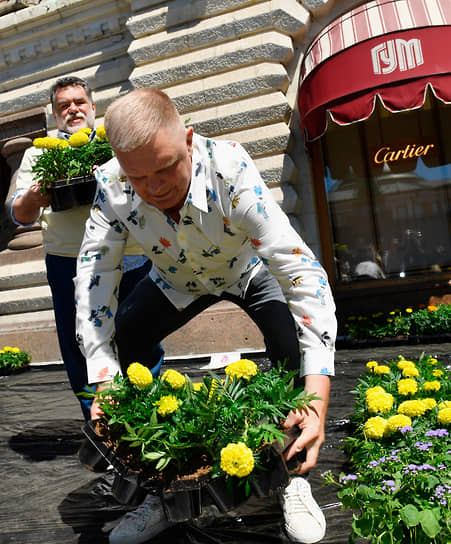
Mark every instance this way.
x=17 y=132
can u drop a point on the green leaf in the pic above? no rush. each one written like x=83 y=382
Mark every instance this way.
x=429 y=523
x=363 y=527
x=153 y=455
x=410 y=515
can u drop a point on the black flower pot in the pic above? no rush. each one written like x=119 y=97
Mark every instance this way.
x=69 y=193
x=9 y=370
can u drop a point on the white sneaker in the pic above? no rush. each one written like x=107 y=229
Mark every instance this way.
x=147 y=521
x=304 y=520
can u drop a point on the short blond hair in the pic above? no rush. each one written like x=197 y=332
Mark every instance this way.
x=133 y=119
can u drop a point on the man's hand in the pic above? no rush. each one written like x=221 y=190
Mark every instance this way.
x=311 y=421
x=28 y=205
x=96 y=411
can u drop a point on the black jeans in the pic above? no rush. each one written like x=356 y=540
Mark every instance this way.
x=146 y=317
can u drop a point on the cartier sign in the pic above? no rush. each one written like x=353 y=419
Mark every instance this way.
x=410 y=151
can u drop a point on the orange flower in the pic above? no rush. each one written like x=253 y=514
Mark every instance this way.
x=432 y=308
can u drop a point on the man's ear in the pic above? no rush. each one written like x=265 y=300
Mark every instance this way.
x=189 y=139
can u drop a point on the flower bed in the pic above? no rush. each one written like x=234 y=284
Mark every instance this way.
x=408 y=325
x=400 y=453
x=13 y=360
x=169 y=433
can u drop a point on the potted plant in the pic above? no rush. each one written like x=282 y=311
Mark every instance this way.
x=13 y=360
x=65 y=167
x=219 y=438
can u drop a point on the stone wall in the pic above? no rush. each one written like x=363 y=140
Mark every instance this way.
x=231 y=66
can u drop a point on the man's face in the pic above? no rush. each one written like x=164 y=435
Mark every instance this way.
x=160 y=171
x=73 y=110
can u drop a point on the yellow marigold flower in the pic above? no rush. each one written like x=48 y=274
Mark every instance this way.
x=412 y=408
x=50 y=142
x=375 y=427
x=437 y=373
x=397 y=422
x=404 y=363
x=39 y=143
x=435 y=385
x=379 y=402
x=444 y=404
x=62 y=144
x=444 y=416
x=381 y=369
x=85 y=130
x=410 y=372
x=197 y=386
x=409 y=310
x=166 y=405
x=15 y=350
x=432 y=308
x=78 y=139
x=430 y=403
x=376 y=389
x=244 y=368
x=392 y=313
x=407 y=386
x=139 y=375
x=174 y=378
x=101 y=133
x=237 y=460
x=432 y=360
x=371 y=364
x=8 y=348
x=2 y=351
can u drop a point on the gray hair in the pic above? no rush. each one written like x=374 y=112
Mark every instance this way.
x=133 y=119
x=69 y=81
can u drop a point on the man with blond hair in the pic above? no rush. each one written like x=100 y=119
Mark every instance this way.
x=202 y=213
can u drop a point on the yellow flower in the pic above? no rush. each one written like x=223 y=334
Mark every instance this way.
x=101 y=133
x=15 y=350
x=78 y=139
x=62 y=144
x=409 y=310
x=444 y=404
x=244 y=368
x=404 y=363
x=174 y=378
x=39 y=143
x=397 y=422
x=432 y=386
x=139 y=375
x=437 y=372
x=432 y=308
x=430 y=403
x=371 y=364
x=166 y=405
x=379 y=401
x=237 y=460
x=375 y=427
x=410 y=371
x=444 y=416
x=197 y=386
x=408 y=386
x=8 y=348
x=381 y=369
x=412 y=408
x=85 y=130
x=432 y=360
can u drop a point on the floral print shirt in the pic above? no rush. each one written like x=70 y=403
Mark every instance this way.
x=230 y=225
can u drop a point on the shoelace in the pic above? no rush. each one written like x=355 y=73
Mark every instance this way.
x=296 y=500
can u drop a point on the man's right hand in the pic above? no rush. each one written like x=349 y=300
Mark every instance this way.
x=28 y=205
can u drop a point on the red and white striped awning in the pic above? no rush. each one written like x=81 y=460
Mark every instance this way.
x=393 y=49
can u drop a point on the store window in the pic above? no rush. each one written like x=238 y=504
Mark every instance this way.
x=387 y=183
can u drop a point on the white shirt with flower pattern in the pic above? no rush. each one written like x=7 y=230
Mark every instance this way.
x=230 y=225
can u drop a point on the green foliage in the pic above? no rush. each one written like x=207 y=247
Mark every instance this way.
x=209 y=416
x=13 y=358
x=423 y=321
x=400 y=489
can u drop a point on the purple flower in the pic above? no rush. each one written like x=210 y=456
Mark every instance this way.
x=406 y=429
x=436 y=432
x=347 y=477
x=389 y=486
x=423 y=446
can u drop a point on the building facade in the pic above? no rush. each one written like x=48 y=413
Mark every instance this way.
x=343 y=104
